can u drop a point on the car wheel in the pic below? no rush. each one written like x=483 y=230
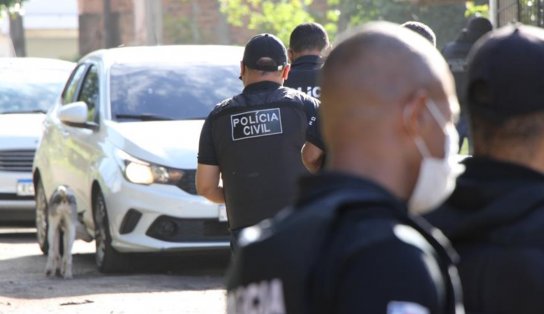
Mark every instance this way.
x=41 y=217
x=107 y=258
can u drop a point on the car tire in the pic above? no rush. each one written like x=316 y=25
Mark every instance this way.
x=107 y=259
x=41 y=218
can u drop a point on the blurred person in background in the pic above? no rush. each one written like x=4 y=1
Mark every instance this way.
x=456 y=53
x=307 y=45
x=422 y=29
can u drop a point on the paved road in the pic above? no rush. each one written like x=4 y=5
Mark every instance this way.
x=176 y=284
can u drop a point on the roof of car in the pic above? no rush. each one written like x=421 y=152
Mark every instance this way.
x=42 y=63
x=213 y=54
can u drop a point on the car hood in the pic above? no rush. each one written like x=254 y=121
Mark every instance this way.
x=168 y=143
x=21 y=131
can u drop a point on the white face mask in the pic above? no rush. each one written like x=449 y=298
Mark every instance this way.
x=437 y=176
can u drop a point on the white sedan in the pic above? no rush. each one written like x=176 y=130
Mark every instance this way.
x=124 y=137
x=28 y=88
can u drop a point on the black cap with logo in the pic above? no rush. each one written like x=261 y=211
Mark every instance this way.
x=265 y=46
x=506 y=71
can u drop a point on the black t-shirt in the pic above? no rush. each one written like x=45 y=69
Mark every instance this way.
x=495 y=220
x=374 y=258
x=303 y=75
x=255 y=138
x=456 y=53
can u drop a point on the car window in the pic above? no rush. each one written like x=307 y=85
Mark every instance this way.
x=25 y=90
x=89 y=93
x=140 y=92
x=73 y=83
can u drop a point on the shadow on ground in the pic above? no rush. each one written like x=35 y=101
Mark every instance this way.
x=23 y=277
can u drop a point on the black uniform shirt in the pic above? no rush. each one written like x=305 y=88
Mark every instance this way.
x=255 y=138
x=398 y=272
x=303 y=77
x=495 y=220
x=304 y=73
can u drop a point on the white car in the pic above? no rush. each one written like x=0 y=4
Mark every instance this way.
x=28 y=88
x=124 y=137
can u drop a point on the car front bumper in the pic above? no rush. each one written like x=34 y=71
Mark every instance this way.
x=155 y=218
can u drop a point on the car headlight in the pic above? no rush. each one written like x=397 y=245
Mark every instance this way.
x=142 y=172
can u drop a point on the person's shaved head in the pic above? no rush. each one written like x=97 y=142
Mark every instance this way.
x=367 y=82
x=378 y=67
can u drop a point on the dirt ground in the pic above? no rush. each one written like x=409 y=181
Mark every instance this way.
x=192 y=283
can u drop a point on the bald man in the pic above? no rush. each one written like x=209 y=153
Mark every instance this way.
x=313 y=153
x=353 y=242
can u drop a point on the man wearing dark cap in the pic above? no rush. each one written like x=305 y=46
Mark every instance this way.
x=307 y=44
x=252 y=141
x=456 y=53
x=352 y=242
x=495 y=216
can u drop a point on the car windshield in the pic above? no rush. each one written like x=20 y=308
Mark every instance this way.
x=154 y=92
x=26 y=91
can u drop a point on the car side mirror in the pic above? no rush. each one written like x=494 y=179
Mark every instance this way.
x=74 y=113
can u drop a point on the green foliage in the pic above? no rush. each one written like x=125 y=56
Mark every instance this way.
x=473 y=9
x=281 y=16
x=11 y=4
x=446 y=20
x=278 y=17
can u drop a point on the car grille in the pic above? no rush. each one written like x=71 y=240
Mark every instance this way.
x=173 y=229
x=16 y=160
x=187 y=183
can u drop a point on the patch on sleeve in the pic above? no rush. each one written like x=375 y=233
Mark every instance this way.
x=402 y=307
x=256 y=124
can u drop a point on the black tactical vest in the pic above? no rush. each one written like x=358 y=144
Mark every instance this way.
x=273 y=272
x=257 y=140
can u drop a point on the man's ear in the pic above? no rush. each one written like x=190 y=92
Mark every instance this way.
x=242 y=69
x=291 y=55
x=285 y=73
x=414 y=113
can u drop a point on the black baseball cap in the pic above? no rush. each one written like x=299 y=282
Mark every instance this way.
x=265 y=46
x=506 y=71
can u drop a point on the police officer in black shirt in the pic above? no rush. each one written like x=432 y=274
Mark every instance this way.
x=353 y=242
x=307 y=44
x=253 y=140
x=495 y=216
x=456 y=53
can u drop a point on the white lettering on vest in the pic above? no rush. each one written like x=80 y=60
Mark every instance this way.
x=256 y=124
x=265 y=297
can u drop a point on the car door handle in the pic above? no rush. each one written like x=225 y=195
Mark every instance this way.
x=65 y=133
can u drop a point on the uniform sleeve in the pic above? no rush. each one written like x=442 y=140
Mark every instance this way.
x=206 y=148
x=313 y=133
x=393 y=277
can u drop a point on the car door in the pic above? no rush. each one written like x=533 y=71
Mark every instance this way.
x=55 y=167
x=82 y=149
